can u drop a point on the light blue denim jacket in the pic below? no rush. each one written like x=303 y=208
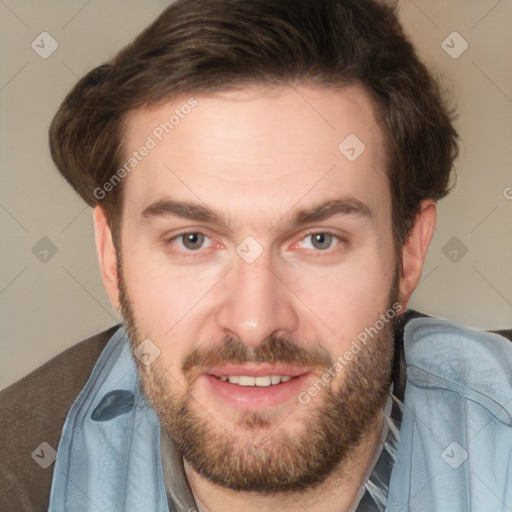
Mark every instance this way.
x=455 y=449
x=454 y=452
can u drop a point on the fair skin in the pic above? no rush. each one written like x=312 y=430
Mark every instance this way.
x=255 y=157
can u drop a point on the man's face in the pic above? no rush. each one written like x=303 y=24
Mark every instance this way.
x=259 y=290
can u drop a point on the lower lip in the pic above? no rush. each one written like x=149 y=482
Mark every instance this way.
x=254 y=397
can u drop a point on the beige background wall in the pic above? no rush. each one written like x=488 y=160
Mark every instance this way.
x=51 y=294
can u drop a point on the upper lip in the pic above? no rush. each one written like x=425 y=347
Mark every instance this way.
x=256 y=370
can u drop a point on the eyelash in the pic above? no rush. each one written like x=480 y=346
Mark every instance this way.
x=197 y=253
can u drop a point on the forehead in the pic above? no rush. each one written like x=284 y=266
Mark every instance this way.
x=258 y=148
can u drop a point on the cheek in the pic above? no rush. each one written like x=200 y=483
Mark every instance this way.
x=161 y=312
x=349 y=297
x=166 y=299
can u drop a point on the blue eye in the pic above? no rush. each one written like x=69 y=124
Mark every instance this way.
x=320 y=240
x=191 y=241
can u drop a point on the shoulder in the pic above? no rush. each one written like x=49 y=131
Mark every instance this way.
x=476 y=364
x=413 y=325
x=435 y=342
x=32 y=412
x=457 y=407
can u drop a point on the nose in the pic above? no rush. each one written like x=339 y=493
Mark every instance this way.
x=256 y=303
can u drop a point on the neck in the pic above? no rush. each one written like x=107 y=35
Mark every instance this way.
x=338 y=492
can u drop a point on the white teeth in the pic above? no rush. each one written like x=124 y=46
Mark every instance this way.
x=263 y=381
x=245 y=380
x=275 y=379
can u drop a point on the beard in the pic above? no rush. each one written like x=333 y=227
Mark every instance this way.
x=257 y=455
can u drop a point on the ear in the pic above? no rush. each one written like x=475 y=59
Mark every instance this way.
x=415 y=249
x=106 y=252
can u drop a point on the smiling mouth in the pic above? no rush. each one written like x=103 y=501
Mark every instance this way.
x=256 y=374
x=255 y=387
x=262 y=381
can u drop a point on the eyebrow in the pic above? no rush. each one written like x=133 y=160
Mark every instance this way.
x=184 y=209
x=345 y=205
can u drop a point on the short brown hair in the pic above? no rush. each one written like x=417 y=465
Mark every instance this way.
x=200 y=46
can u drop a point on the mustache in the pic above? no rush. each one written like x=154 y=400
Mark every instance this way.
x=274 y=350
